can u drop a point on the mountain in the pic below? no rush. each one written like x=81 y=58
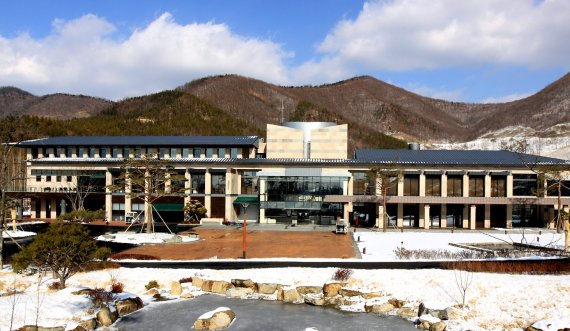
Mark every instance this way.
x=14 y=101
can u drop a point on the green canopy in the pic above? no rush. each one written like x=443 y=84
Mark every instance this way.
x=168 y=206
x=249 y=199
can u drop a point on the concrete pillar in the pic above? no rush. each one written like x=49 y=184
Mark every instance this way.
x=400 y=187
x=128 y=207
x=187 y=186
x=380 y=219
x=262 y=197
x=487 y=224
x=509 y=224
x=487 y=192
x=427 y=218
x=465 y=216
x=465 y=185
x=472 y=217
x=400 y=219
x=509 y=186
x=422 y=185
x=208 y=191
x=443 y=216
x=423 y=219
x=229 y=214
x=444 y=185
x=108 y=196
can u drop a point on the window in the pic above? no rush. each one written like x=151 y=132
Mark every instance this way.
x=433 y=185
x=46 y=152
x=115 y=152
x=553 y=188
x=103 y=152
x=218 y=183
x=80 y=151
x=173 y=152
x=197 y=152
x=69 y=152
x=476 y=186
x=149 y=151
x=161 y=152
x=126 y=152
x=92 y=151
x=498 y=186
x=198 y=183
x=249 y=182
x=233 y=153
x=138 y=151
x=58 y=178
x=221 y=153
x=411 y=185
x=38 y=178
x=209 y=152
x=361 y=183
x=68 y=179
x=58 y=151
x=524 y=185
x=185 y=152
x=48 y=178
x=454 y=185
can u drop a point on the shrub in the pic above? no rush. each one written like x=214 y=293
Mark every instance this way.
x=342 y=274
x=152 y=284
x=117 y=287
x=54 y=286
x=83 y=215
x=185 y=280
x=99 y=297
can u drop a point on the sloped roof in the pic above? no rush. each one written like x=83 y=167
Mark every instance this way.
x=143 y=141
x=452 y=157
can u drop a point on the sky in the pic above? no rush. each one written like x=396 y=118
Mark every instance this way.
x=468 y=51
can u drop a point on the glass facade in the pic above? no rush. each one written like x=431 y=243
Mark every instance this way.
x=411 y=185
x=221 y=153
x=198 y=183
x=249 y=182
x=218 y=183
x=524 y=185
x=291 y=192
x=197 y=152
x=454 y=185
x=476 y=186
x=498 y=186
x=433 y=185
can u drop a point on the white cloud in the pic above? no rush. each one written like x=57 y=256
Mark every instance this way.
x=401 y=35
x=506 y=98
x=81 y=56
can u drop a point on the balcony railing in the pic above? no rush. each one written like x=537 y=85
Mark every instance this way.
x=56 y=189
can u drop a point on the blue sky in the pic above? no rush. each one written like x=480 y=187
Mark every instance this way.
x=472 y=51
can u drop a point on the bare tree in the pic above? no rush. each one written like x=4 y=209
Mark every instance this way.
x=148 y=178
x=384 y=178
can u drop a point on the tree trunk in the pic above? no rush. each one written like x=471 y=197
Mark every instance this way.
x=148 y=217
x=559 y=218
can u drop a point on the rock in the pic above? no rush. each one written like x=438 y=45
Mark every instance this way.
x=153 y=292
x=315 y=301
x=379 y=309
x=396 y=303
x=331 y=289
x=105 y=317
x=442 y=314
x=207 y=285
x=532 y=328
x=127 y=306
x=89 y=324
x=289 y=295
x=371 y=295
x=221 y=287
x=437 y=326
x=343 y=301
x=267 y=288
x=41 y=328
x=187 y=296
x=309 y=289
x=424 y=325
x=175 y=288
x=84 y=291
x=218 y=319
x=197 y=282
x=239 y=292
x=243 y=283
x=349 y=293
x=406 y=312
x=331 y=301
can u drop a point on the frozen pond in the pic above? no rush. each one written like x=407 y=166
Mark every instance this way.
x=256 y=315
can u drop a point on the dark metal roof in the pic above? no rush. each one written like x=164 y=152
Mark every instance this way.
x=452 y=157
x=144 y=141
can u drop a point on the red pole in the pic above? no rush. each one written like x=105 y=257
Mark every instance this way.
x=244 y=231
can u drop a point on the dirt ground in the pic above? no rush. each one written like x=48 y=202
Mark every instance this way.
x=226 y=243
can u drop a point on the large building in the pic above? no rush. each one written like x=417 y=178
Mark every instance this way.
x=302 y=174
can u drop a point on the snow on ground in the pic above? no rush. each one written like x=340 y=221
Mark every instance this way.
x=17 y=234
x=144 y=238
x=495 y=301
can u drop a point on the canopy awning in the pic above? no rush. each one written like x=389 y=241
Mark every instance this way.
x=247 y=199
x=168 y=206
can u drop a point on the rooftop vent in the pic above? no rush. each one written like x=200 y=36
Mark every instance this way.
x=414 y=146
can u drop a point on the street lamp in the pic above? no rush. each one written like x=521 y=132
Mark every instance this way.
x=244 y=205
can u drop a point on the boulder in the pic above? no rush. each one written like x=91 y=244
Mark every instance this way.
x=442 y=314
x=437 y=326
x=197 y=282
x=41 y=328
x=397 y=303
x=239 y=292
x=267 y=288
x=175 y=288
x=383 y=308
x=426 y=321
x=315 y=301
x=105 y=317
x=309 y=289
x=371 y=295
x=186 y=295
x=406 y=312
x=218 y=319
x=331 y=289
x=349 y=293
x=289 y=295
x=243 y=283
x=221 y=287
x=207 y=285
x=89 y=324
x=84 y=291
x=129 y=305
x=153 y=292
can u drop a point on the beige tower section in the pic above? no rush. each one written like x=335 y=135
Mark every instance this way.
x=330 y=142
x=284 y=142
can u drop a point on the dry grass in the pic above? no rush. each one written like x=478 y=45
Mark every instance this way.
x=133 y=256
x=542 y=267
